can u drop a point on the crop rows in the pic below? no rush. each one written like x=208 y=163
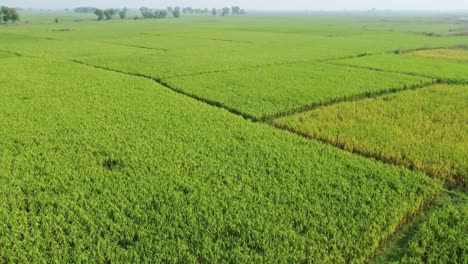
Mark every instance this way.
x=449 y=54
x=446 y=70
x=97 y=166
x=260 y=92
x=423 y=129
x=436 y=236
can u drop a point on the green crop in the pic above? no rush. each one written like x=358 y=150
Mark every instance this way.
x=270 y=91
x=436 y=236
x=98 y=166
x=424 y=129
x=445 y=70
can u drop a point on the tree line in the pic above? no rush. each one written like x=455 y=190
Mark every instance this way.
x=9 y=14
x=85 y=9
x=146 y=12
x=233 y=10
x=176 y=11
x=110 y=13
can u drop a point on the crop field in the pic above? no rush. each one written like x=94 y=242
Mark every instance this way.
x=444 y=70
x=264 y=138
x=260 y=92
x=438 y=235
x=424 y=129
x=449 y=54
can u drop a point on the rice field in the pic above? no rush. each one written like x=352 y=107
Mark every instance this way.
x=448 y=54
x=262 y=138
x=423 y=129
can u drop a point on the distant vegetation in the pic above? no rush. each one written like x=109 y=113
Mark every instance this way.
x=147 y=12
x=85 y=9
x=109 y=13
x=9 y=14
x=159 y=13
x=176 y=11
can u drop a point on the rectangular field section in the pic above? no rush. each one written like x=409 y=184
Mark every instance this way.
x=449 y=54
x=424 y=129
x=435 y=236
x=107 y=167
x=270 y=91
x=446 y=70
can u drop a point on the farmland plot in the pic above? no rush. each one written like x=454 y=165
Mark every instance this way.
x=436 y=236
x=97 y=166
x=424 y=129
x=269 y=91
x=449 y=54
x=445 y=70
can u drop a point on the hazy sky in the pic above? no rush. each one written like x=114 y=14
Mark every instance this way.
x=253 y=4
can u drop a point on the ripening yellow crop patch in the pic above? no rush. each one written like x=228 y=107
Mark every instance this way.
x=449 y=54
x=424 y=129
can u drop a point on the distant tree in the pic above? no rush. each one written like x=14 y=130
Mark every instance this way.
x=163 y=13
x=160 y=13
x=176 y=12
x=235 y=10
x=225 y=11
x=214 y=11
x=14 y=15
x=56 y=20
x=109 y=13
x=99 y=13
x=85 y=9
x=187 y=10
x=6 y=14
x=123 y=13
x=146 y=12
x=242 y=12
x=170 y=9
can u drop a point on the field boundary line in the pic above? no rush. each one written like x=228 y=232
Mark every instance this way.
x=409 y=219
x=351 y=98
x=179 y=91
x=12 y=52
x=239 y=69
x=262 y=66
x=192 y=37
x=134 y=46
x=390 y=160
x=217 y=39
x=327 y=61
x=440 y=80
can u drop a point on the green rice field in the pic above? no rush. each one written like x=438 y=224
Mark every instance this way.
x=264 y=138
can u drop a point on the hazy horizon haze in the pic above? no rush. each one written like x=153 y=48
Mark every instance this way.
x=325 y=5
